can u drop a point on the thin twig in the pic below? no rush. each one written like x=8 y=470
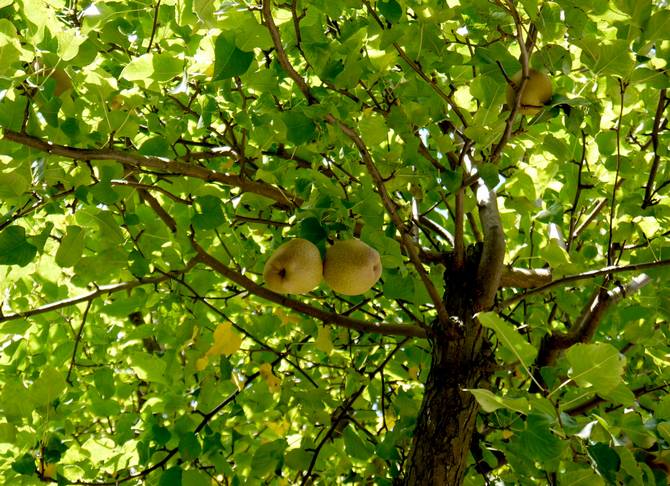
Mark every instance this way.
x=610 y=249
x=77 y=340
x=154 y=27
x=649 y=188
x=99 y=291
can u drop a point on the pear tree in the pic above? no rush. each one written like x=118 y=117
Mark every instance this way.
x=312 y=242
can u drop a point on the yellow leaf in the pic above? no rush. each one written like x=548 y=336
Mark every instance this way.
x=286 y=318
x=274 y=383
x=323 y=342
x=391 y=419
x=265 y=370
x=226 y=341
x=201 y=363
x=279 y=428
x=49 y=471
x=413 y=372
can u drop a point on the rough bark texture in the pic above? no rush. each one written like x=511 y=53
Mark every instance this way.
x=446 y=421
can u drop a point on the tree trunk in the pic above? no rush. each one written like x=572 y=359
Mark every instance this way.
x=446 y=422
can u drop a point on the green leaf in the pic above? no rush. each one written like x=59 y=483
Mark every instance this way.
x=581 y=477
x=298 y=459
x=71 y=247
x=171 y=477
x=155 y=146
x=390 y=9
x=607 y=461
x=230 y=61
x=209 y=213
x=152 y=67
x=13 y=184
x=299 y=128
x=48 y=387
x=148 y=368
x=372 y=128
x=355 y=446
x=538 y=441
x=189 y=446
x=10 y=47
x=7 y=433
x=596 y=366
x=491 y=402
x=161 y=436
x=630 y=464
x=25 y=465
x=14 y=247
x=268 y=456
x=612 y=58
x=193 y=477
x=509 y=337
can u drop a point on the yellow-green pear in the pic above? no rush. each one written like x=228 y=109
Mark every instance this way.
x=294 y=268
x=536 y=92
x=351 y=267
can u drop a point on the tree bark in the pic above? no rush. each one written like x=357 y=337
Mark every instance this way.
x=446 y=422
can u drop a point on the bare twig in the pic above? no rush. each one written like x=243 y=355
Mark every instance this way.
x=150 y=187
x=459 y=242
x=610 y=249
x=154 y=27
x=78 y=340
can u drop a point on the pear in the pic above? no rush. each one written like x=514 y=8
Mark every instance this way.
x=536 y=92
x=294 y=268
x=351 y=267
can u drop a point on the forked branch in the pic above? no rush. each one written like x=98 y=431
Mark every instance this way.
x=585 y=328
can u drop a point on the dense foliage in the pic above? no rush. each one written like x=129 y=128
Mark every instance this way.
x=155 y=153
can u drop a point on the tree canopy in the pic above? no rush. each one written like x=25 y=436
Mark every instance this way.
x=154 y=153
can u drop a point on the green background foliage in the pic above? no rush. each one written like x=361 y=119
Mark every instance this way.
x=193 y=129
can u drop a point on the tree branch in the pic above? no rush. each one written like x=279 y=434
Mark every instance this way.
x=170 y=166
x=524 y=278
x=649 y=188
x=525 y=46
x=490 y=267
x=78 y=340
x=323 y=316
x=99 y=291
x=611 y=270
x=585 y=328
x=281 y=53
